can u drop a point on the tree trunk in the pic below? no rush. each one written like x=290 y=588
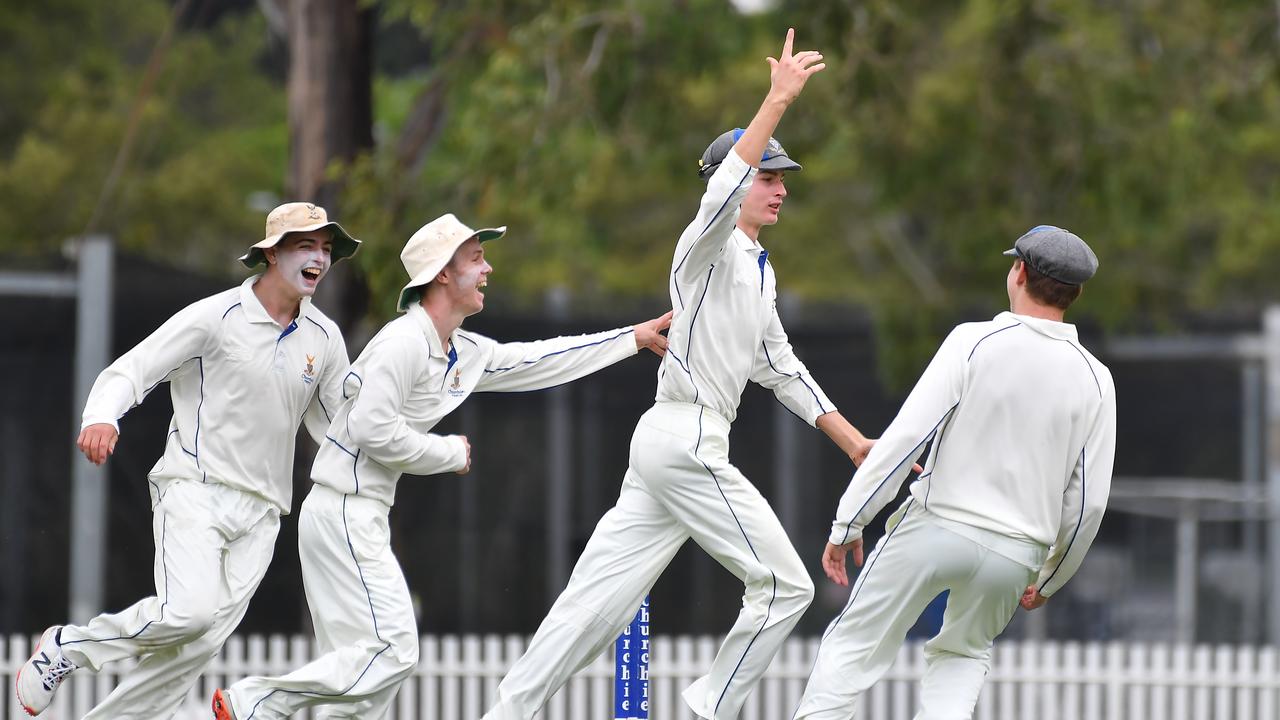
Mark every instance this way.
x=330 y=118
x=330 y=90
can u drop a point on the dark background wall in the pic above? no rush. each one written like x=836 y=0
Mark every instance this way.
x=474 y=547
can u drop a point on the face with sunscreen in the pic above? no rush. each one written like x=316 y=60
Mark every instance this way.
x=301 y=259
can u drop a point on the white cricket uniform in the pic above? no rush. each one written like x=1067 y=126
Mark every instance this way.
x=399 y=388
x=240 y=386
x=680 y=483
x=1023 y=423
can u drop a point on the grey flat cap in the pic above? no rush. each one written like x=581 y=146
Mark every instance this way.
x=1056 y=253
x=774 y=158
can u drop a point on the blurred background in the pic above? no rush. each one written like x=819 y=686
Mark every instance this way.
x=937 y=135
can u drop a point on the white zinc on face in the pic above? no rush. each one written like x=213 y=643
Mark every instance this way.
x=301 y=259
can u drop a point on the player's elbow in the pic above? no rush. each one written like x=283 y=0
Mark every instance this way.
x=366 y=432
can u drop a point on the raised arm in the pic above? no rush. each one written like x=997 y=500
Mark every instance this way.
x=705 y=238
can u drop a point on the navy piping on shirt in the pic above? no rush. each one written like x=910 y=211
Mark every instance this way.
x=675 y=273
x=561 y=352
x=1079 y=522
x=926 y=439
x=798 y=375
x=355 y=466
x=769 y=609
x=891 y=473
x=175 y=432
x=323 y=409
x=350 y=373
x=228 y=312
x=937 y=444
x=1087 y=364
x=984 y=337
x=688 y=351
x=331 y=439
x=200 y=362
x=326 y=332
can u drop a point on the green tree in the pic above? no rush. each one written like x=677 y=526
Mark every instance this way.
x=211 y=133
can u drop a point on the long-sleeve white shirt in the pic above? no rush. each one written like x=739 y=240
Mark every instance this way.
x=1023 y=424
x=240 y=386
x=726 y=329
x=407 y=380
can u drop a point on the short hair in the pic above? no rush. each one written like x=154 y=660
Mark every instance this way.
x=1047 y=291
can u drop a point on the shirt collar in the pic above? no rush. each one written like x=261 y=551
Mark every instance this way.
x=253 y=309
x=428 y=328
x=745 y=242
x=1052 y=328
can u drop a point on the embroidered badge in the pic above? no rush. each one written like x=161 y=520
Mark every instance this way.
x=309 y=374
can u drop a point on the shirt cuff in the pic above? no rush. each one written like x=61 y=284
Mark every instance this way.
x=843 y=533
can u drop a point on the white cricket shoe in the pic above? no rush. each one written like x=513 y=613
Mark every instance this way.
x=39 y=678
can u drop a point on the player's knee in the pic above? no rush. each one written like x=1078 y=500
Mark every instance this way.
x=404 y=655
x=796 y=592
x=192 y=621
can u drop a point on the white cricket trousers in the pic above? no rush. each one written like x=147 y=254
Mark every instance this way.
x=919 y=556
x=679 y=485
x=362 y=613
x=213 y=545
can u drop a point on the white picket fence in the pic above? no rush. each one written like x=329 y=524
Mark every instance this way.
x=458 y=676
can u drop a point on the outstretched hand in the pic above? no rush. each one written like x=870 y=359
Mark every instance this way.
x=789 y=72
x=833 y=563
x=649 y=334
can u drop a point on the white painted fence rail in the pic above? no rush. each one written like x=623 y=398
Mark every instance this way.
x=457 y=678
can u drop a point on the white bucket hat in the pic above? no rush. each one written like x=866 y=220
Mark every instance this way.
x=298 y=217
x=432 y=247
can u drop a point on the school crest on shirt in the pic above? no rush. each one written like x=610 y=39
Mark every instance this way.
x=309 y=373
x=455 y=388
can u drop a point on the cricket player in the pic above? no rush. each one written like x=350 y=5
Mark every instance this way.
x=1023 y=424
x=680 y=483
x=244 y=368
x=416 y=370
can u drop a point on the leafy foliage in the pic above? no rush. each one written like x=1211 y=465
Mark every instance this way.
x=211 y=133
x=937 y=135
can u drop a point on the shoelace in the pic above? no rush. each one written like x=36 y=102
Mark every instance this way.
x=55 y=674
